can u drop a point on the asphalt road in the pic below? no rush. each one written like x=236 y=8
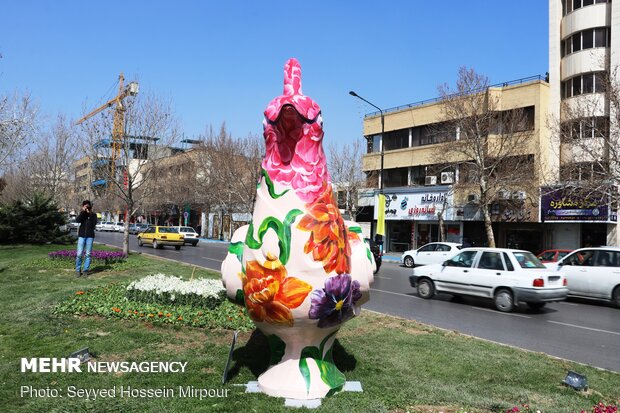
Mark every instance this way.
x=584 y=331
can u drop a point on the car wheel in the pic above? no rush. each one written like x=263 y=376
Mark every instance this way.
x=504 y=300
x=140 y=243
x=408 y=261
x=615 y=296
x=177 y=247
x=155 y=244
x=536 y=306
x=426 y=288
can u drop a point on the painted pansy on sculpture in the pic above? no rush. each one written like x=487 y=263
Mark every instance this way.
x=270 y=294
x=328 y=240
x=334 y=304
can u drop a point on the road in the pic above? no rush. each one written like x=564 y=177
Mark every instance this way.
x=584 y=331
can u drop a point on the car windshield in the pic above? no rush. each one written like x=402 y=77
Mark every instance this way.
x=527 y=260
x=187 y=229
x=464 y=259
x=168 y=229
x=547 y=256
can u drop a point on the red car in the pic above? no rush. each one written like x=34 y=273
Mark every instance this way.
x=553 y=255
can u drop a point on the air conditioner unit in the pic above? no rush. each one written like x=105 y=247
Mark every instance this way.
x=504 y=195
x=430 y=180
x=519 y=195
x=447 y=177
x=473 y=198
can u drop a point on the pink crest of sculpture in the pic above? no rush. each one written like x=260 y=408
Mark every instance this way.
x=293 y=131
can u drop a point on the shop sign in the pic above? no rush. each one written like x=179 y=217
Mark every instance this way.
x=568 y=205
x=423 y=206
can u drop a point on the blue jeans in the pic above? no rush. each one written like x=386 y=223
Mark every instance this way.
x=84 y=247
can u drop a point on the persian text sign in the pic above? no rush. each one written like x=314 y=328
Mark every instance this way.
x=565 y=205
x=422 y=206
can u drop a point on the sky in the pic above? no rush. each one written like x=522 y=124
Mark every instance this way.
x=222 y=61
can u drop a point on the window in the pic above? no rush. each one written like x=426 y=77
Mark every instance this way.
x=396 y=177
x=491 y=261
x=508 y=263
x=528 y=260
x=569 y=6
x=595 y=127
x=593 y=82
x=607 y=259
x=582 y=258
x=373 y=144
x=428 y=248
x=396 y=139
x=442 y=247
x=464 y=259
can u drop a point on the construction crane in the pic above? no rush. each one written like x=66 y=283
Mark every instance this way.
x=118 y=130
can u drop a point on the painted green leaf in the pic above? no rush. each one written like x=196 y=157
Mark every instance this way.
x=369 y=254
x=277 y=348
x=239 y=297
x=357 y=230
x=237 y=249
x=271 y=187
x=307 y=352
x=322 y=345
x=282 y=229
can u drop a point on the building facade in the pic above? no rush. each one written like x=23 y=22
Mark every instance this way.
x=418 y=188
x=584 y=46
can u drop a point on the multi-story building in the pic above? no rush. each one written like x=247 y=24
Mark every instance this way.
x=417 y=188
x=584 y=47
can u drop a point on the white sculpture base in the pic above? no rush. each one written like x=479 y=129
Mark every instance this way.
x=352 y=386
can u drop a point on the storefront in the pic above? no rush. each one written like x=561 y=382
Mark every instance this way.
x=575 y=220
x=412 y=218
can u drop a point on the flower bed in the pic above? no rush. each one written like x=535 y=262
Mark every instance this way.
x=168 y=289
x=107 y=257
x=110 y=301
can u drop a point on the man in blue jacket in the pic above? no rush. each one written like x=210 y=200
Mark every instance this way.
x=86 y=235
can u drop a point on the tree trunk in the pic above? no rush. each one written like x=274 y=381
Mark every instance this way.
x=126 y=236
x=442 y=229
x=488 y=225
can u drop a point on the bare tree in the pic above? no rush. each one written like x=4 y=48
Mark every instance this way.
x=490 y=146
x=17 y=124
x=122 y=166
x=344 y=165
x=588 y=138
x=46 y=167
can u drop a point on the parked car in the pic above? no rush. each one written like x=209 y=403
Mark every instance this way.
x=376 y=252
x=190 y=235
x=159 y=236
x=431 y=253
x=592 y=273
x=105 y=226
x=553 y=255
x=506 y=276
x=137 y=228
x=119 y=227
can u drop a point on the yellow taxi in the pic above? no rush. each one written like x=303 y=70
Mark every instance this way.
x=160 y=236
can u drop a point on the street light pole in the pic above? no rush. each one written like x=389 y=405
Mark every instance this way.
x=379 y=238
x=352 y=93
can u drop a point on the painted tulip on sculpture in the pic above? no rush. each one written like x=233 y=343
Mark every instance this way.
x=300 y=270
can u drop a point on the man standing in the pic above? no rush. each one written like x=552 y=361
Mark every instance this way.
x=86 y=235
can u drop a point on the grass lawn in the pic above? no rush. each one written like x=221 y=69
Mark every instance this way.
x=403 y=366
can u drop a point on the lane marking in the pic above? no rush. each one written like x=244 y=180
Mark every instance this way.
x=571 y=304
x=382 y=277
x=585 y=328
x=391 y=292
x=499 y=312
x=212 y=259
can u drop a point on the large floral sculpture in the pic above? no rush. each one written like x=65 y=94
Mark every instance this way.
x=298 y=267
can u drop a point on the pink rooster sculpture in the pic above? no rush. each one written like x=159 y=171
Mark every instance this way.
x=300 y=270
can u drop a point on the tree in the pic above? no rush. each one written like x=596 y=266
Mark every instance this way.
x=33 y=220
x=346 y=175
x=46 y=167
x=488 y=145
x=125 y=173
x=17 y=123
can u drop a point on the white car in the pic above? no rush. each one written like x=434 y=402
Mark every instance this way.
x=190 y=235
x=105 y=226
x=592 y=273
x=431 y=253
x=119 y=227
x=507 y=276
